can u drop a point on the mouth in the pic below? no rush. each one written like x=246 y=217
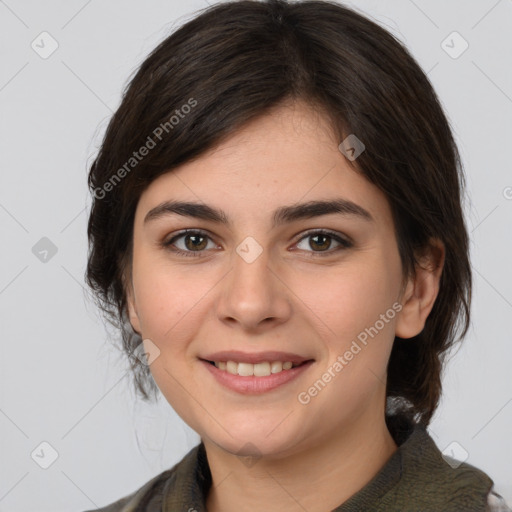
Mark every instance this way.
x=255 y=373
x=262 y=369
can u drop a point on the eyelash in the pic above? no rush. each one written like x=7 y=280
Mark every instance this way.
x=344 y=243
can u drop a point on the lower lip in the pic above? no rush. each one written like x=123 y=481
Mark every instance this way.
x=256 y=385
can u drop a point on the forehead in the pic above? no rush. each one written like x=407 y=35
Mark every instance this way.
x=286 y=156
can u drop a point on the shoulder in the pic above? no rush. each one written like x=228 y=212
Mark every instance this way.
x=151 y=495
x=496 y=503
x=437 y=479
x=116 y=506
x=152 y=489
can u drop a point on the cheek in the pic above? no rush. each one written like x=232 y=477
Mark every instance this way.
x=172 y=305
x=168 y=301
x=348 y=300
x=356 y=312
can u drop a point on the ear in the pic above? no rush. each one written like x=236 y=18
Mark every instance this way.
x=421 y=291
x=132 y=309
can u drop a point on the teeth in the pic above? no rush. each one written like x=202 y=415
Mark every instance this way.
x=258 y=369
x=261 y=369
x=276 y=367
x=245 y=369
x=232 y=367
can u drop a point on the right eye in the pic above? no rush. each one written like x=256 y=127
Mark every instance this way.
x=193 y=242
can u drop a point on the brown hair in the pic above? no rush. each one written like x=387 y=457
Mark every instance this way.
x=235 y=61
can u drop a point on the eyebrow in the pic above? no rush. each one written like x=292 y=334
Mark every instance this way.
x=282 y=215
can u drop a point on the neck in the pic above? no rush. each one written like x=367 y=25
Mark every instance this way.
x=333 y=469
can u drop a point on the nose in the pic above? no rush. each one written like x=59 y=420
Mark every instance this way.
x=254 y=297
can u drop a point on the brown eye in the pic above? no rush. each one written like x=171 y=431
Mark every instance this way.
x=189 y=243
x=321 y=242
x=195 y=242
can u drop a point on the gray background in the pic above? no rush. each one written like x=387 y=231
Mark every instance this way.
x=61 y=380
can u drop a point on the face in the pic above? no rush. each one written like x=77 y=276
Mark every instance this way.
x=318 y=288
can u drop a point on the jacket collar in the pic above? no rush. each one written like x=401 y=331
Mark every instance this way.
x=416 y=473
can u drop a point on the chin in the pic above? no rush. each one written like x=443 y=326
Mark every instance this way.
x=254 y=441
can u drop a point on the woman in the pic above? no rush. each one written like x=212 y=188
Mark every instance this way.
x=277 y=230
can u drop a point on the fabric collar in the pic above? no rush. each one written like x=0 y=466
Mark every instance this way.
x=417 y=472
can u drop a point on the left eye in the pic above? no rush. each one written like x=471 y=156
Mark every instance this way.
x=320 y=241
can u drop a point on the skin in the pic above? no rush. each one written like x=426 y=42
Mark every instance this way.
x=297 y=296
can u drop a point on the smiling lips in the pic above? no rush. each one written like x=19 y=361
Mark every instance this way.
x=262 y=380
x=258 y=369
x=260 y=364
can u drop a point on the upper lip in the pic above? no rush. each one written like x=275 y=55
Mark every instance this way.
x=255 y=357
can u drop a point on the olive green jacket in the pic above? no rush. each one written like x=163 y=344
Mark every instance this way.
x=417 y=477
